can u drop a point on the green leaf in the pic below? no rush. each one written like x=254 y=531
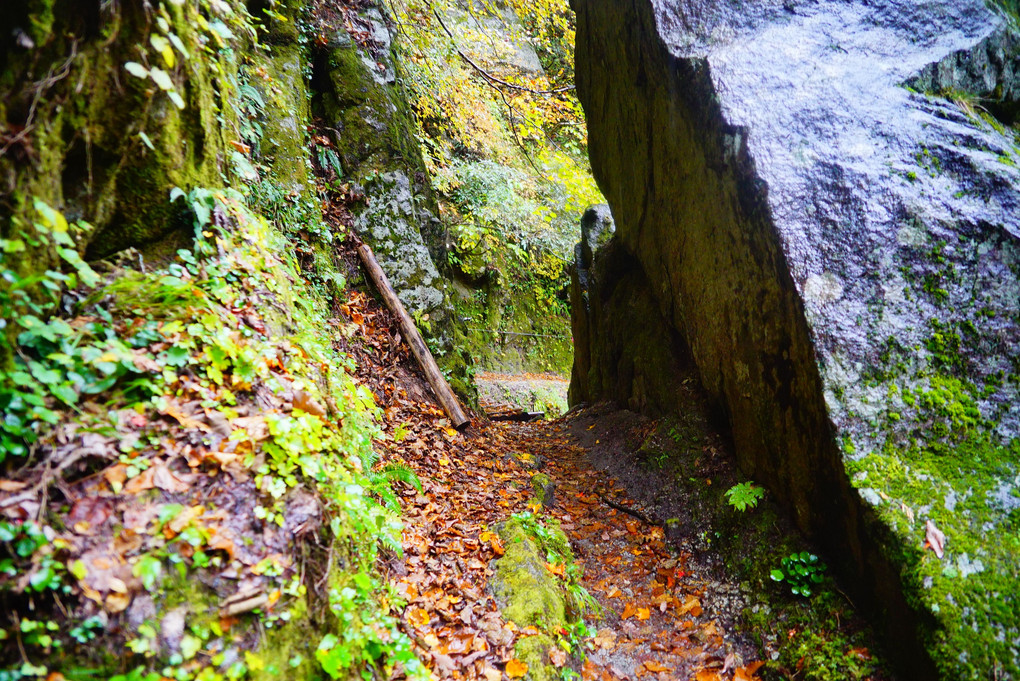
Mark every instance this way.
x=777 y=575
x=77 y=569
x=162 y=79
x=179 y=45
x=190 y=645
x=177 y=356
x=162 y=45
x=136 y=69
x=148 y=569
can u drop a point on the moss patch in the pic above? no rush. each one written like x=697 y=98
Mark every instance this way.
x=521 y=581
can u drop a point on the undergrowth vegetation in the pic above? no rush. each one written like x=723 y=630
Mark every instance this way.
x=187 y=463
x=176 y=355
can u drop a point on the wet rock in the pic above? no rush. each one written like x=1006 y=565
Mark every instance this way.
x=390 y=224
x=545 y=489
x=820 y=212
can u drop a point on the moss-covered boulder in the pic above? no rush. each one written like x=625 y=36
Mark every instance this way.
x=528 y=593
x=824 y=214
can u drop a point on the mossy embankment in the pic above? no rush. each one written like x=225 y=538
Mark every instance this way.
x=192 y=458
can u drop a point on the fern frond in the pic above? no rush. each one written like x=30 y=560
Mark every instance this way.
x=401 y=472
x=369 y=458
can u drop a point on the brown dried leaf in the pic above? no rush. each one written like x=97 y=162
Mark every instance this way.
x=935 y=539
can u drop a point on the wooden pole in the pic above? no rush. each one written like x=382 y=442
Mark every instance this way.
x=421 y=351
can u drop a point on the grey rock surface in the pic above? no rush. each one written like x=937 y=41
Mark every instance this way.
x=390 y=225
x=824 y=205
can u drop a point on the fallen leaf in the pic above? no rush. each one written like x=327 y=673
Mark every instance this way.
x=167 y=480
x=558 y=570
x=629 y=611
x=12 y=486
x=491 y=673
x=643 y=613
x=418 y=617
x=117 y=602
x=935 y=539
x=174 y=410
x=747 y=672
x=653 y=666
x=557 y=656
x=516 y=669
x=307 y=404
x=691 y=605
x=140 y=483
x=182 y=520
x=707 y=675
x=605 y=639
x=115 y=476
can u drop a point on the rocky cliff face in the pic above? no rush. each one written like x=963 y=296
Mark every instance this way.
x=823 y=205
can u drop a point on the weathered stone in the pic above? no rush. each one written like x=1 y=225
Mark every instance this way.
x=544 y=488
x=390 y=225
x=840 y=251
x=624 y=350
x=363 y=102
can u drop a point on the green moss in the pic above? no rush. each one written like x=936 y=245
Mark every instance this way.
x=532 y=650
x=521 y=580
x=288 y=651
x=40 y=20
x=374 y=120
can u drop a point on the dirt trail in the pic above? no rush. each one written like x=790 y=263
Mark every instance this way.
x=657 y=619
x=653 y=623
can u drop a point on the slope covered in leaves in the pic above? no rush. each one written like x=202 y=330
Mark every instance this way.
x=206 y=480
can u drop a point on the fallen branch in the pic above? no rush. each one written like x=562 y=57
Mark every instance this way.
x=626 y=509
x=410 y=332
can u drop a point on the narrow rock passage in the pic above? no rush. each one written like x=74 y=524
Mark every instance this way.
x=653 y=622
x=655 y=618
x=679 y=575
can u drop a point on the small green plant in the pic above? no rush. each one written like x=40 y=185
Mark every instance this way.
x=744 y=495
x=87 y=630
x=800 y=571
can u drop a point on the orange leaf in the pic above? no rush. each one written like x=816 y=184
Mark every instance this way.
x=747 y=672
x=653 y=666
x=557 y=570
x=706 y=675
x=629 y=611
x=418 y=617
x=643 y=613
x=516 y=669
x=140 y=482
x=691 y=605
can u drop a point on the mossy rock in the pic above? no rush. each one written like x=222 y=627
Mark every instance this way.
x=529 y=593
x=534 y=652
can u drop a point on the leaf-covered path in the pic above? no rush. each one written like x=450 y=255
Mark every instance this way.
x=653 y=623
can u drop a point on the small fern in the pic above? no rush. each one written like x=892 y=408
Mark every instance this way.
x=744 y=495
x=401 y=472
